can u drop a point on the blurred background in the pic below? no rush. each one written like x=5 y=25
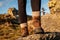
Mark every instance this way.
x=6 y=4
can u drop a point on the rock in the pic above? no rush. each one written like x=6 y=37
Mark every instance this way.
x=51 y=23
x=30 y=37
x=54 y=6
x=12 y=11
x=45 y=36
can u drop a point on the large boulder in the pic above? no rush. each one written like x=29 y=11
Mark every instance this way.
x=51 y=22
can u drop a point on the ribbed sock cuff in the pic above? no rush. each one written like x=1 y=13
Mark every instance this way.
x=23 y=25
x=36 y=13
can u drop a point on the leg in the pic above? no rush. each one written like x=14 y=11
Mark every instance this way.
x=35 y=4
x=23 y=17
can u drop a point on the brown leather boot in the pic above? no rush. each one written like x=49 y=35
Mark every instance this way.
x=24 y=29
x=34 y=27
